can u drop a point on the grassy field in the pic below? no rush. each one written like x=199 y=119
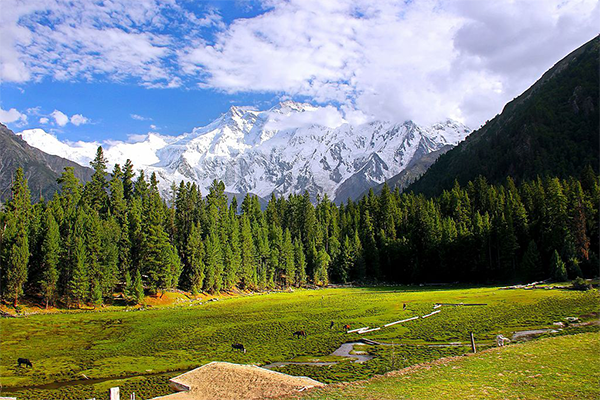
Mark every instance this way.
x=566 y=367
x=123 y=344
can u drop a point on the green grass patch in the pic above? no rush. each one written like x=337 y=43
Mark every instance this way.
x=566 y=367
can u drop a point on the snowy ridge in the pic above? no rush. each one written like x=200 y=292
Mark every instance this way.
x=281 y=151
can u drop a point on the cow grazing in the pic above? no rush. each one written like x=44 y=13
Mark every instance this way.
x=237 y=346
x=24 y=361
x=501 y=340
x=299 y=334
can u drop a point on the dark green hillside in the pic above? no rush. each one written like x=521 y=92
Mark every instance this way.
x=551 y=129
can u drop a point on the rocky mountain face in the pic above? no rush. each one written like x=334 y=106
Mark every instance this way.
x=551 y=129
x=283 y=151
x=41 y=169
x=245 y=150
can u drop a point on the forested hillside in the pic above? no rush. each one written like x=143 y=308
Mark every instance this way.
x=551 y=129
x=115 y=234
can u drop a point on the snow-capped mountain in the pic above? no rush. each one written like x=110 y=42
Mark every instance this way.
x=281 y=151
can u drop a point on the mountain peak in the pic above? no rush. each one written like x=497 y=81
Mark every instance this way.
x=285 y=150
x=293 y=106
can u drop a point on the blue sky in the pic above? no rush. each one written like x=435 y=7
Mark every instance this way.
x=107 y=70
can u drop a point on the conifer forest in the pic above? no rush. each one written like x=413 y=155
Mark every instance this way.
x=115 y=234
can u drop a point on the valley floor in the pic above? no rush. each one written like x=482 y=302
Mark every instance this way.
x=79 y=355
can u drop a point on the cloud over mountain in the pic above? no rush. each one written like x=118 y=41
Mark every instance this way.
x=389 y=60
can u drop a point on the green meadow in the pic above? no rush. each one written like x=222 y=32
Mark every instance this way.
x=566 y=367
x=141 y=350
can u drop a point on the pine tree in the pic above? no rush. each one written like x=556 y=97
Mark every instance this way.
x=195 y=260
x=128 y=291
x=557 y=268
x=234 y=257
x=95 y=190
x=51 y=254
x=248 y=269
x=287 y=255
x=344 y=261
x=78 y=285
x=16 y=271
x=138 y=288
x=214 y=263
x=531 y=265
x=300 y=261
x=96 y=294
x=127 y=178
x=16 y=241
x=158 y=257
x=321 y=277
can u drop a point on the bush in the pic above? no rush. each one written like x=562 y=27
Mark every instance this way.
x=580 y=284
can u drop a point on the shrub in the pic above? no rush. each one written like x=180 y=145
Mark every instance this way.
x=580 y=284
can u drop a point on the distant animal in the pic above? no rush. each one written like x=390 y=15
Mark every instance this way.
x=404 y=307
x=346 y=327
x=237 y=346
x=331 y=325
x=24 y=361
x=298 y=334
x=501 y=340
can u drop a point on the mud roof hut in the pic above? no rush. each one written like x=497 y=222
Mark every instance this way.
x=227 y=381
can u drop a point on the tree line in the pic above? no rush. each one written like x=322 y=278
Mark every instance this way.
x=115 y=234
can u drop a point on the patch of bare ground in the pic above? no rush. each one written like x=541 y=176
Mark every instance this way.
x=227 y=381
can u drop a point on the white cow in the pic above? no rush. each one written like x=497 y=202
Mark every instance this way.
x=501 y=340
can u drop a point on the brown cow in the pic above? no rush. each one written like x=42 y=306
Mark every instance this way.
x=299 y=334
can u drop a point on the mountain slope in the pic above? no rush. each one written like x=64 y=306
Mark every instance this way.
x=290 y=148
x=41 y=169
x=552 y=128
x=413 y=171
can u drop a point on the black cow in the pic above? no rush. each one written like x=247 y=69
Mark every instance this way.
x=299 y=334
x=24 y=361
x=237 y=346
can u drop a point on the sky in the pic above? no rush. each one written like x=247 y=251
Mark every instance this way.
x=115 y=70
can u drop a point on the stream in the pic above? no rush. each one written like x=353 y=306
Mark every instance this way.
x=342 y=351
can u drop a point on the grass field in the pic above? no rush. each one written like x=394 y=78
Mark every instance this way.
x=119 y=344
x=566 y=367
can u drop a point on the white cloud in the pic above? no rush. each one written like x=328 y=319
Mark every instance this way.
x=326 y=116
x=423 y=60
x=44 y=120
x=60 y=118
x=79 y=119
x=140 y=118
x=12 y=116
x=153 y=127
x=69 y=40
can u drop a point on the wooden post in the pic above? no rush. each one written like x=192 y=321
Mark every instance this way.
x=473 y=347
x=115 y=393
